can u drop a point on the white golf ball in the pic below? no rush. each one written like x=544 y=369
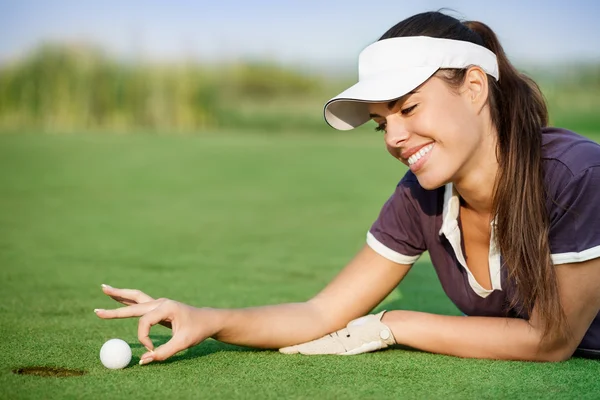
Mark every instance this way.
x=115 y=354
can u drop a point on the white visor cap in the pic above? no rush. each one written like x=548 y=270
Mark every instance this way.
x=390 y=68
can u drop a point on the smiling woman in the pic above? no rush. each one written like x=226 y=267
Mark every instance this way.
x=507 y=208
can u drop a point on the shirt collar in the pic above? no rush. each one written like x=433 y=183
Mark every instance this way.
x=452 y=210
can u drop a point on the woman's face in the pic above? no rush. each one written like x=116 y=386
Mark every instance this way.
x=436 y=130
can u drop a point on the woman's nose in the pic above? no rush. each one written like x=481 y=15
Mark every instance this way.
x=396 y=134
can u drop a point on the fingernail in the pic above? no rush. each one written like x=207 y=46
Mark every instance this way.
x=145 y=361
x=97 y=310
x=149 y=354
x=105 y=286
x=149 y=349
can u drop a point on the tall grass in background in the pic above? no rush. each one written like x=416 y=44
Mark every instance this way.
x=77 y=88
x=573 y=94
x=74 y=88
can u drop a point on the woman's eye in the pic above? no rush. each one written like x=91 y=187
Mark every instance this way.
x=380 y=128
x=408 y=110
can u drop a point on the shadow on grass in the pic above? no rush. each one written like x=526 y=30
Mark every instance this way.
x=208 y=347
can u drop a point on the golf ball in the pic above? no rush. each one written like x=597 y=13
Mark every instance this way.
x=115 y=354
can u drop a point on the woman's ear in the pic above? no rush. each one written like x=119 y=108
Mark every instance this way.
x=476 y=87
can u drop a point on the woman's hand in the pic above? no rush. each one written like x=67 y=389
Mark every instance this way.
x=361 y=335
x=190 y=325
x=130 y=297
x=127 y=297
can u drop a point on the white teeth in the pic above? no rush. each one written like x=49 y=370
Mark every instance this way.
x=415 y=157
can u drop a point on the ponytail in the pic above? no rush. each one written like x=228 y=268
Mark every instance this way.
x=519 y=112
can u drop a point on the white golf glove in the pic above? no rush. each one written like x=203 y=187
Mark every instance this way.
x=361 y=335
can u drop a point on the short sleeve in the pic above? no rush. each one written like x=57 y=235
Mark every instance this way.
x=397 y=233
x=575 y=219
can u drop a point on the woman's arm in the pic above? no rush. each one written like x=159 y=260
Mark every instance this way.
x=507 y=338
x=357 y=289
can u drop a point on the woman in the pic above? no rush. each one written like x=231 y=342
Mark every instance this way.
x=507 y=208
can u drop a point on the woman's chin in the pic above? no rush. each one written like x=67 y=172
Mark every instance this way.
x=430 y=183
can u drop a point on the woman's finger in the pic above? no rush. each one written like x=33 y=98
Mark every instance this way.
x=135 y=310
x=176 y=344
x=126 y=296
x=158 y=315
x=172 y=347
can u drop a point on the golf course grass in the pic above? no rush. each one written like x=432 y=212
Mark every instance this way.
x=228 y=220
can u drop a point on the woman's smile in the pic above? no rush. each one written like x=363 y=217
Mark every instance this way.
x=418 y=159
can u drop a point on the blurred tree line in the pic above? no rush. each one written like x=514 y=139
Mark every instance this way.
x=71 y=88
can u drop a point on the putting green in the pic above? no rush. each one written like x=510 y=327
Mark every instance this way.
x=228 y=220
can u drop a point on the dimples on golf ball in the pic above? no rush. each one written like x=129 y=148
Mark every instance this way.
x=115 y=354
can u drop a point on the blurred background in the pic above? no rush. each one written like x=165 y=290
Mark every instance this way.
x=200 y=66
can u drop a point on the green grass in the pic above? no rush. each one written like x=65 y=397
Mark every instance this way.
x=224 y=221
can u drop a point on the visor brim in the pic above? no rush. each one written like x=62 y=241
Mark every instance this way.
x=350 y=109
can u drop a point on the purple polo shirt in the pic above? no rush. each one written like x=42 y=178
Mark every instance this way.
x=415 y=220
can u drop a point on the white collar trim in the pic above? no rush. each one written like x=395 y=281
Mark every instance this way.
x=451 y=231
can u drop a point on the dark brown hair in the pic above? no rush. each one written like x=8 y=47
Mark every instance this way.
x=518 y=112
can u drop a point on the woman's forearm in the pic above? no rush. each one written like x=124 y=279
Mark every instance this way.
x=472 y=337
x=273 y=326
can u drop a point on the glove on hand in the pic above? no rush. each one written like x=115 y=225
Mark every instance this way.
x=361 y=335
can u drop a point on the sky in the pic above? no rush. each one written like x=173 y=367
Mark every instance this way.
x=305 y=32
